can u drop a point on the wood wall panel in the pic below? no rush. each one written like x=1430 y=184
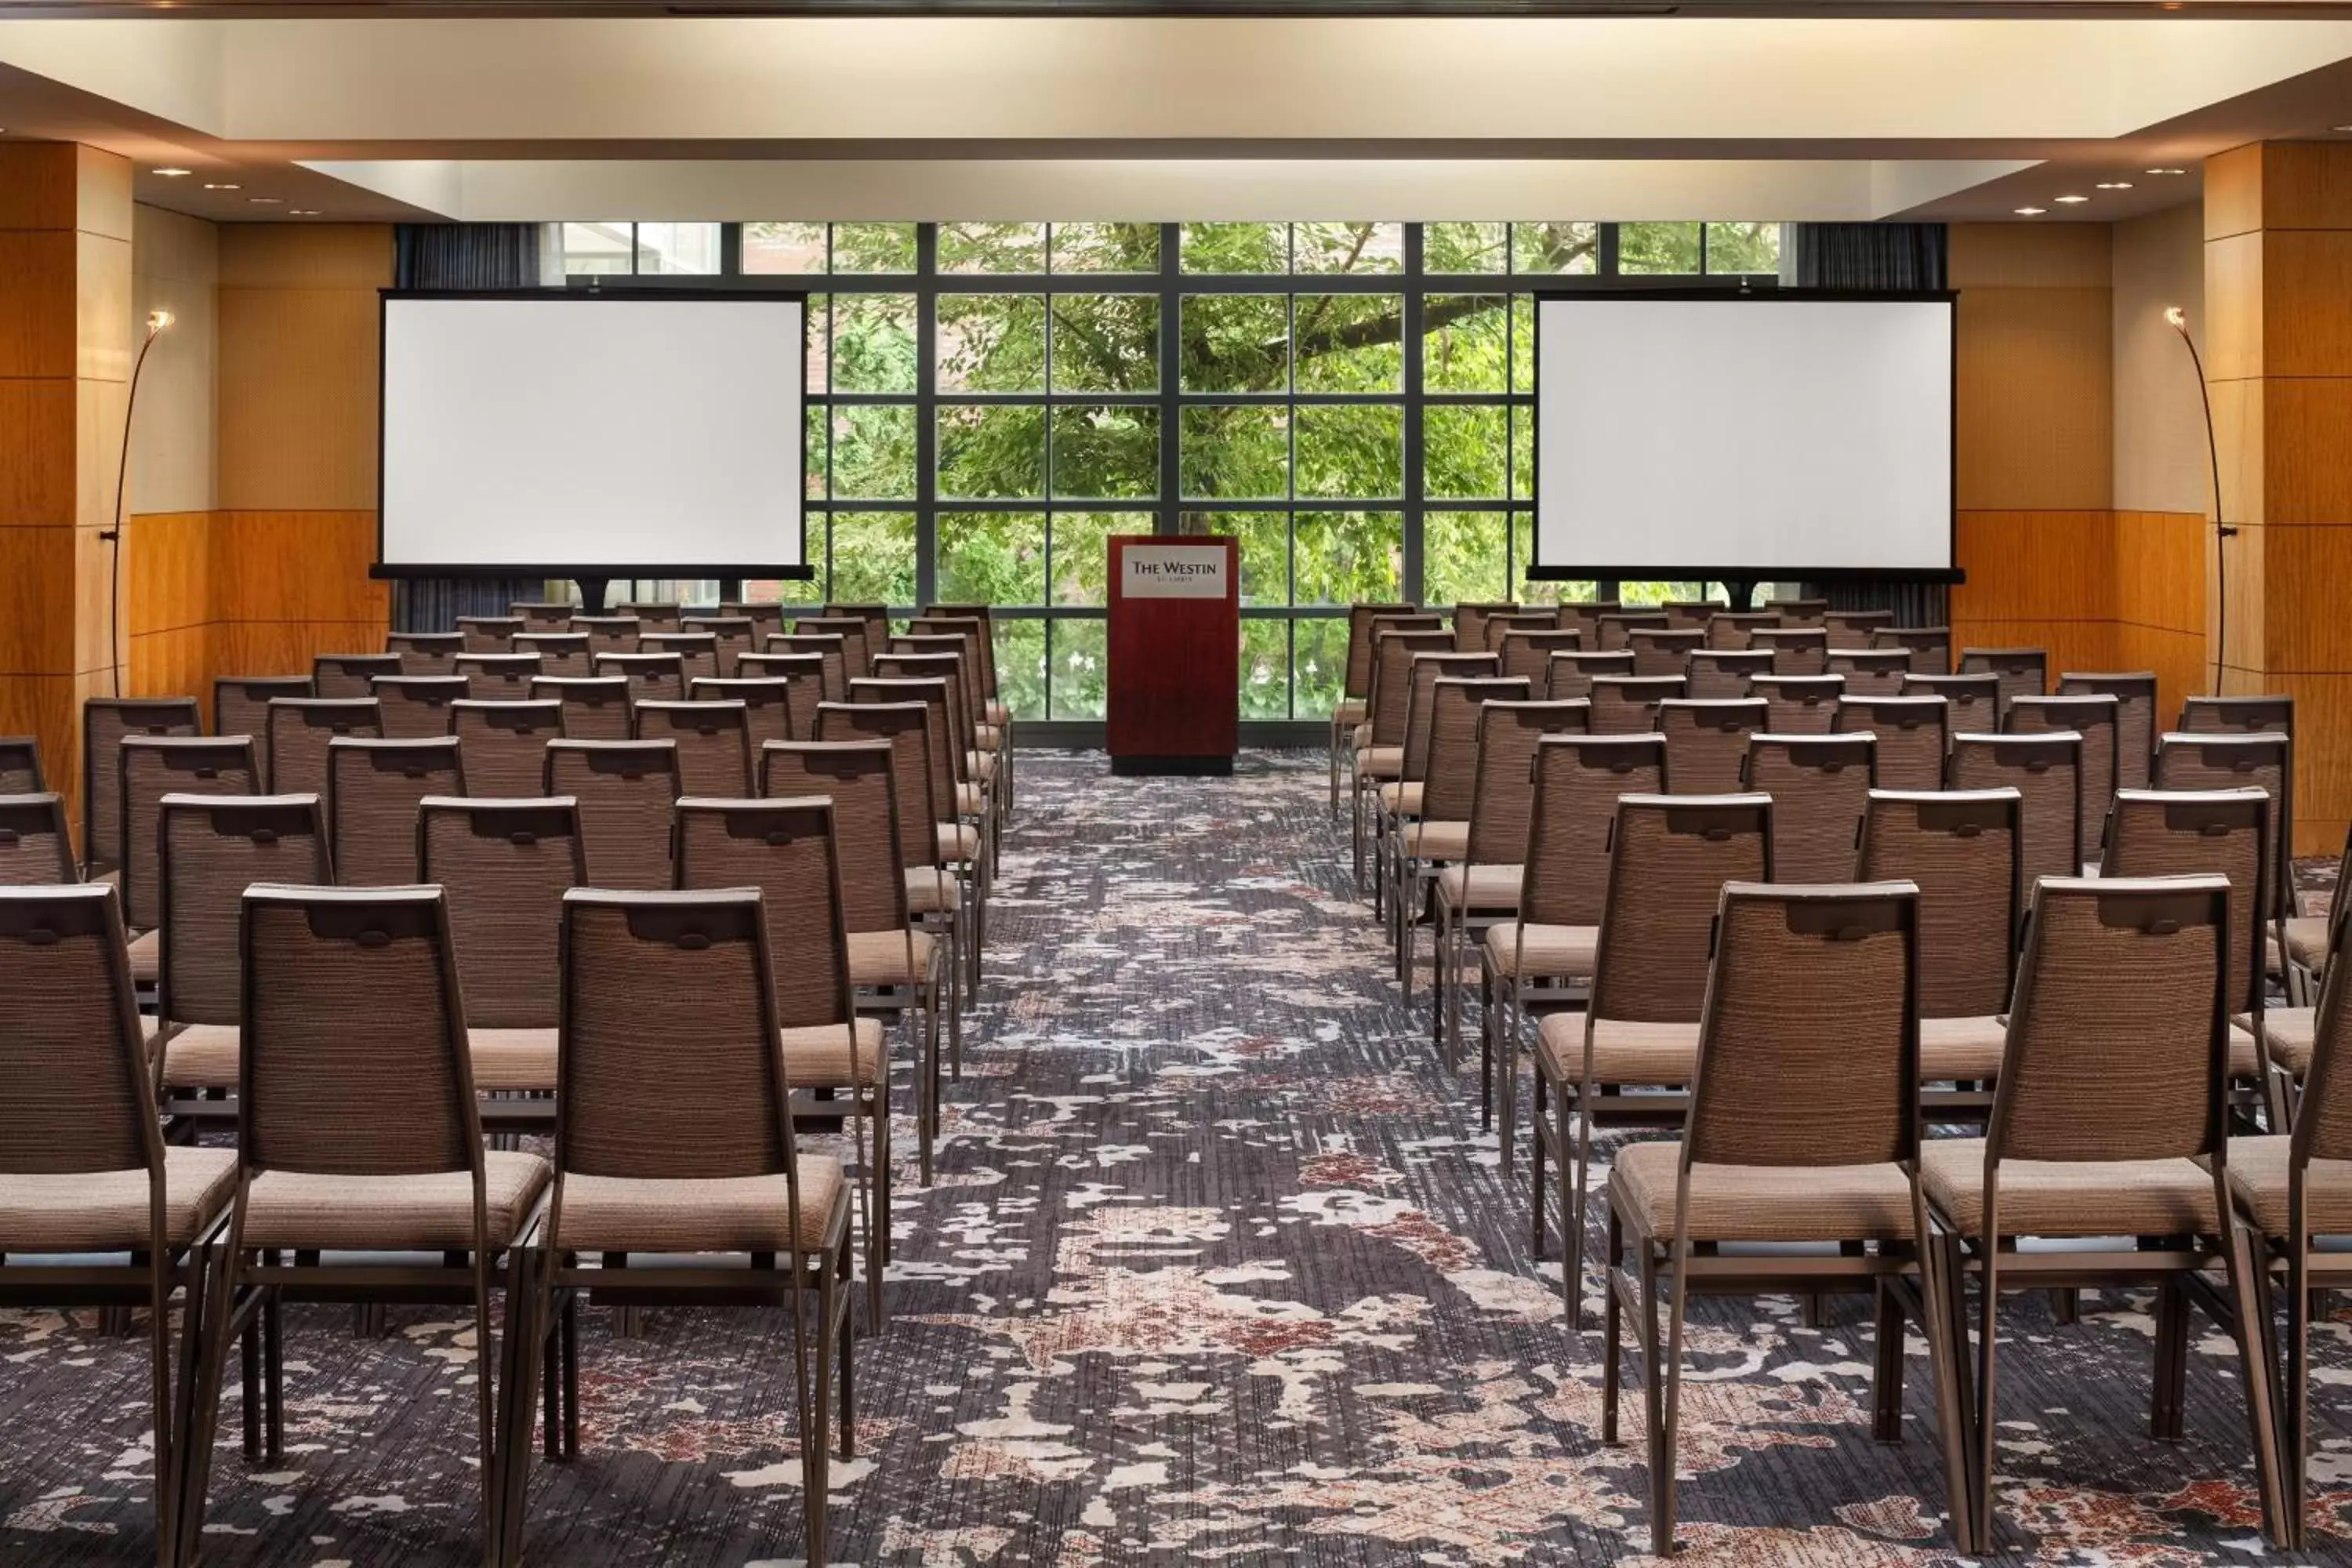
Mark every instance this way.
x=2306 y=282
x=36 y=302
x=2054 y=565
x=2306 y=425
x=36 y=481
x=37 y=567
x=298 y=566
x=2028 y=256
x=2034 y=395
x=297 y=377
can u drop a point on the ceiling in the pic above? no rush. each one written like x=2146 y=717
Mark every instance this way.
x=522 y=112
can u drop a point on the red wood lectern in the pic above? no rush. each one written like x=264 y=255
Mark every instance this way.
x=1175 y=654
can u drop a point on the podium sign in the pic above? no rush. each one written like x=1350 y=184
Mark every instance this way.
x=1175 y=655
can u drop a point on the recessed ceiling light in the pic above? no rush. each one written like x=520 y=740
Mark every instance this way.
x=2340 y=127
x=214 y=188
x=2115 y=184
x=2032 y=212
x=2070 y=201
x=303 y=212
x=265 y=200
x=2167 y=171
x=168 y=173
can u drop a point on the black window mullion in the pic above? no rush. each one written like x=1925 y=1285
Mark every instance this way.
x=1415 y=307
x=1166 y=516
x=927 y=414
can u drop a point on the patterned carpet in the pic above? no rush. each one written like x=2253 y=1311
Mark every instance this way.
x=1219 y=1269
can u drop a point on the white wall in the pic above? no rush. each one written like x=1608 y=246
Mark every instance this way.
x=175 y=266
x=2160 y=458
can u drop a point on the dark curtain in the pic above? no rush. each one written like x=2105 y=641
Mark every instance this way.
x=1875 y=255
x=462 y=256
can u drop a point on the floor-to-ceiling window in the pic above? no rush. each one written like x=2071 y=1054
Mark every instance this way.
x=1353 y=401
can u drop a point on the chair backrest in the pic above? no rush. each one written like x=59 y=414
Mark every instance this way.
x=609 y=633
x=1502 y=624
x=1728 y=631
x=947 y=760
x=500 y=676
x=2118 y=1038
x=804 y=672
x=979 y=640
x=768 y=705
x=1668 y=861
x=215 y=848
x=373 y=791
x=1628 y=704
x=714 y=744
x=1799 y=612
x=491 y=633
x=1820 y=787
x=1972 y=702
x=2323 y=1121
x=2135 y=695
x=543 y=615
x=20 y=765
x=2018 y=671
x=1930 y=648
x=1964 y=851
x=1527 y=654
x=74 y=1095
x=731 y=637
x=1800 y=704
x=1470 y=623
x=1503 y=784
x=1717 y=674
x=1568 y=676
x=2238 y=715
x=905 y=728
x=2263 y=761
x=697 y=652
x=241 y=707
x=1571 y=820
x=1853 y=628
x=352 y=1006
x=1706 y=742
x=559 y=652
x=625 y=790
x=1871 y=671
x=876 y=616
x=653 y=615
x=1796 y=651
x=1428 y=669
x=1662 y=650
x=1686 y=613
x=1614 y=630
x=765 y=614
x=786 y=849
x=1450 y=778
x=1809 y=1035
x=594 y=708
x=506 y=866
x=1392 y=686
x=857 y=643
x=2094 y=717
x=859 y=778
x=505 y=746
x=348 y=674
x=302 y=728
x=956 y=671
x=831 y=649
x=424 y=653
x=36 y=844
x=105 y=720
x=2218 y=833
x=962 y=639
x=1585 y=618
x=416 y=707
x=154 y=766
x=652 y=677
x=2046 y=771
x=1913 y=743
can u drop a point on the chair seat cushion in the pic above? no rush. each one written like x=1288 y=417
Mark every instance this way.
x=998 y=713
x=1348 y=713
x=513 y=1058
x=1402 y=799
x=106 y=1211
x=1763 y=1202
x=2306 y=940
x=1551 y=953
x=200 y=1056
x=2293 y=1033
x=2258 y=1170
x=971 y=800
x=988 y=735
x=817 y=1056
x=932 y=891
x=1478 y=889
x=1379 y=761
x=2070 y=1197
x=1953 y=1049
x=429 y=1213
x=1622 y=1052
x=1437 y=841
x=147 y=958
x=961 y=842
x=730 y=1214
x=882 y=957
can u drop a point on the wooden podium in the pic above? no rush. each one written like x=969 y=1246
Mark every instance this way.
x=1175 y=654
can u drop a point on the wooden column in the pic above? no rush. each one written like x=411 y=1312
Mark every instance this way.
x=2278 y=347
x=66 y=343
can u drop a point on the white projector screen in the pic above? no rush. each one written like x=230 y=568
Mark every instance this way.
x=1773 y=436
x=584 y=434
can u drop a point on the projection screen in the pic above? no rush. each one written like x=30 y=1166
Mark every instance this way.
x=1763 y=437
x=614 y=433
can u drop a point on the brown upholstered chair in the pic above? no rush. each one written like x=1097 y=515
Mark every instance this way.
x=506 y=745
x=1398 y=802
x=543 y=615
x=1852 y=629
x=1972 y=702
x=732 y=637
x=1664 y=650
x=1800 y=704
x=559 y=652
x=804 y=672
x=625 y=790
x=595 y=707
x=1930 y=648
x=1501 y=624
x=1628 y=704
x=831 y=649
x=697 y=652
x=500 y=676
x=1614 y=630
x=1527 y=654
x=769 y=708
x=491 y=633
x=348 y=674
x=2135 y=695
x=1707 y=742
x=765 y=614
x=1820 y=787
x=1796 y=649
x=151 y=767
x=2020 y=672
x=609 y=633
x=2238 y=716
x=105 y=720
x=1438 y=832
x=1686 y=613
x=416 y=707
x=1800 y=613
x=858 y=641
x=301 y=729
x=1470 y=621
x=652 y=677
x=20 y=766
x=1728 y=631
x=1378 y=752
x=1720 y=674
x=426 y=653
x=1584 y=618
x=1913 y=740
x=373 y=791
x=2262 y=760
x=2045 y=770
x=241 y=707
x=653 y=615
x=36 y=844
x=1871 y=671
x=714 y=744
x=2097 y=720
x=1568 y=675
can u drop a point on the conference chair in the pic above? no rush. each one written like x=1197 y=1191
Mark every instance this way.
x=214 y=848
x=803 y=672
x=1963 y=850
x=105 y=720
x=506 y=745
x=1798 y=1168
x=1669 y=859
x=876 y=616
x=2110 y=1121
x=323 y=1174
x=766 y=616
x=770 y=712
x=1540 y=961
x=993 y=713
x=625 y=789
x=697 y=652
x=652 y=677
x=373 y=791
x=2046 y=771
x=1852 y=629
x=2096 y=719
x=1500 y=625
x=2263 y=761
x=151 y=767
x=1527 y=654
x=1569 y=677
x=1820 y=787
x=2135 y=695
x=1799 y=704
x=949 y=658
x=543 y=615
x=241 y=707
x=348 y=674
x=1802 y=612
x=1378 y=741
x=1718 y=675
x=416 y=707
x=1664 y=650
x=1728 y=631
x=1438 y=833
x=966 y=823
x=732 y=637
x=609 y=633
x=1795 y=649
x=491 y=633
x=500 y=676
x=831 y=649
x=1584 y=618
x=1971 y=702
x=1871 y=671
x=1685 y=614
x=36 y=845
x=966 y=636
x=1399 y=802
x=2018 y=671
x=1930 y=648
x=564 y=653
x=857 y=643
x=1614 y=630
x=2312 y=939
x=100 y=1211
x=300 y=730
x=426 y=653
x=594 y=708
x=2238 y=715
x=714 y=744
x=1470 y=623
x=654 y=616
x=20 y=765
x=1628 y=704
x=1910 y=731
x=1706 y=742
